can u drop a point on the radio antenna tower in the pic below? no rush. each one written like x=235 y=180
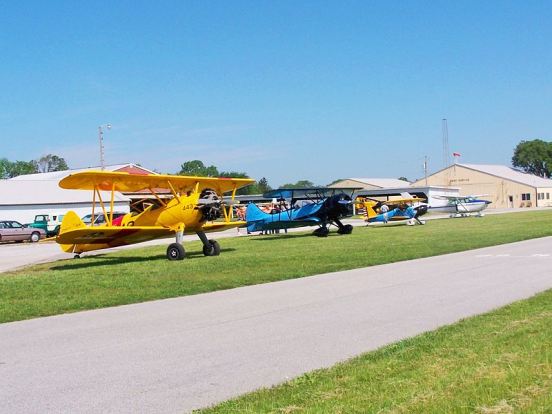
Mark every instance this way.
x=446 y=151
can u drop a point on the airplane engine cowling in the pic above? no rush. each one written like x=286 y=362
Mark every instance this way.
x=210 y=205
x=338 y=205
x=421 y=210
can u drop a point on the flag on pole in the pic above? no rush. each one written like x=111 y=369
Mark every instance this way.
x=456 y=154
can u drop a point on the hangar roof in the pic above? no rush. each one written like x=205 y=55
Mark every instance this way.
x=58 y=175
x=29 y=192
x=382 y=182
x=510 y=173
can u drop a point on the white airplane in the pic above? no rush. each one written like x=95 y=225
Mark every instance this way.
x=461 y=206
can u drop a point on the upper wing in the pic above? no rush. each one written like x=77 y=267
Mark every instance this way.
x=125 y=182
x=446 y=197
x=404 y=200
x=308 y=193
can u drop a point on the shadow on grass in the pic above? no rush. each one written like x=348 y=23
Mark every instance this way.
x=104 y=260
x=294 y=236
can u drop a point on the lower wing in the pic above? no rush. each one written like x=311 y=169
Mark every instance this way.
x=86 y=239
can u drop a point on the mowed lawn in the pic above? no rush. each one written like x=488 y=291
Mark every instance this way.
x=143 y=274
x=497 y=363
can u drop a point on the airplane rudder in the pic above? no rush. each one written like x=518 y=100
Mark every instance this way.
x=253 y=212
x=71 y=221
x=370 y=212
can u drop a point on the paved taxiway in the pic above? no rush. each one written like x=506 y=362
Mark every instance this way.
x=178 y=354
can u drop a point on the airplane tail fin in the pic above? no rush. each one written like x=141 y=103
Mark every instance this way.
x=254 y=213
x=369 y=210
x=254 y=217
x=71 y=221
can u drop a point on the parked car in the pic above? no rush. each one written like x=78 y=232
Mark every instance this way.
x=15 y=231
x=99 y=219
x=49 y=223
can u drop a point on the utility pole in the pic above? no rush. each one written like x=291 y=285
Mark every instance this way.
x=425 y=169
x=446 y=151
x=100 y=139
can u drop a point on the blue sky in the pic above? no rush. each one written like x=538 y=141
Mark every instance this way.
x=286 y=90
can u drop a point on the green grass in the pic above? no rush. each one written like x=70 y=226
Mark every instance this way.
x=145 y=274
x=500 y=362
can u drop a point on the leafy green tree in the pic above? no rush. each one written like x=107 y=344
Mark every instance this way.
x=335 y=181
x=404 y=179
x=13 y=169
x=250 y=189
x=534 y=157
x=5 y=166
x=198 y=169
x=233 y=174
x=51 y=162
x=300 y=184
x=263 y=186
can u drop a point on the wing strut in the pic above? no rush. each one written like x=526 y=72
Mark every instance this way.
x=157 y=197
x=102 y=204
x=173 y=191
x=93 y=204
x=111 y=203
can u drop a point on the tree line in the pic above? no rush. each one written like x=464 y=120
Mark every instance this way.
x=46 y=163
x=533 y=156
x=199 y=169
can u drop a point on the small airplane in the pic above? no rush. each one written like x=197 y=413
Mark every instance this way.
x=196 y=206
x=320 y=207
x=404 y=210
x=461 y=206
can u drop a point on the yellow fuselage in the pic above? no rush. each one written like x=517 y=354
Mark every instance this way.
x=178 y=213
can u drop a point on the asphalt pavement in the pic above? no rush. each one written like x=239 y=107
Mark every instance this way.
x=174 y=355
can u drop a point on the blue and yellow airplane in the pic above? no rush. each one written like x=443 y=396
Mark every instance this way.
x=404 y=210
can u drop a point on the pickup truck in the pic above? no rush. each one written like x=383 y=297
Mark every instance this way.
x=49 y=223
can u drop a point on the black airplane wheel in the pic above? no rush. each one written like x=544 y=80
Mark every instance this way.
x=321 y=232
x=175 y=251
x=212 y=249
x=346 y=229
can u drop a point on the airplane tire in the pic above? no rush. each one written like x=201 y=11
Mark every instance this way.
x=175 y=251
x=213 y=249
x=347 y=229
x=321 y=232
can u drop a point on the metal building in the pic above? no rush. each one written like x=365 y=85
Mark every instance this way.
x=505 y=186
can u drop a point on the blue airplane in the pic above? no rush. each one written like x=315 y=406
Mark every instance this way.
x=320 y=207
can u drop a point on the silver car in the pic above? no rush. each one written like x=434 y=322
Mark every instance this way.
x=15 y=231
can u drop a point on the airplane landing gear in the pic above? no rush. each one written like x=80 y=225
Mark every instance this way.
x=175 y=251
x=321 y=232
x=343 y=228
x=210 y=247
x=346 y=229
x=77 y=256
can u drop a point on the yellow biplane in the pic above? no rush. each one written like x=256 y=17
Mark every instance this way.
x=195 y=206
